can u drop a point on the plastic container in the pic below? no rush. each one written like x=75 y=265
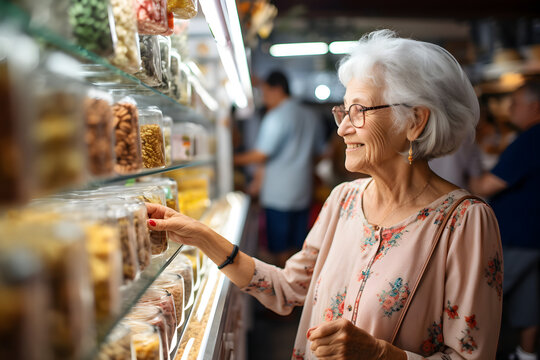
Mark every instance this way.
x=93 y=25
x=151 y=16
x=175 y=84
x=98 y=119
x=192 y=253
x=150 y=72
x=182 y=266
x=126 y=134
x=182 y=9
x=146 y=340
x=118 y=344
x=162 y=299
x=185 y=85
x=167 y=133
x=169 y=186
x=154 y=316
x=127 y=54
x=152 y=143
x=24 y=302
x=174 y=284
x=164 y=49
x=56 y=132
x=144 y=246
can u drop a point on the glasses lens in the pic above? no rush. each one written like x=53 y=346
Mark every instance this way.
x=357 y=115
x=339 y=114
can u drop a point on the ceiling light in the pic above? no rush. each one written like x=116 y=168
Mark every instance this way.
x=299 y=49
x=322 y=92
x=342 y=47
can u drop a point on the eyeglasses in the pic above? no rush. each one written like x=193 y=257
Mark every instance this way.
x=356 y=113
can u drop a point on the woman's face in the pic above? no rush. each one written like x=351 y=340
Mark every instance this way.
x=377 y=143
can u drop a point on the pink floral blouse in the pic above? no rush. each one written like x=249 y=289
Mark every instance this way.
x=347 y=269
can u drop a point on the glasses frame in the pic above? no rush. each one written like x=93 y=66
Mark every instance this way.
x=341 y=108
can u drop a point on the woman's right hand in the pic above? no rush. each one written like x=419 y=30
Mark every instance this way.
x=181 y=228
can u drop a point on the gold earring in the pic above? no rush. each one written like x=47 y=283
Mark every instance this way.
x=410 y=158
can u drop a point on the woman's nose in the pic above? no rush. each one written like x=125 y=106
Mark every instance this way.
x=345 y=127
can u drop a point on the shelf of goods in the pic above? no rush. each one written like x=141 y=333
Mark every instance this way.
x=99 y=119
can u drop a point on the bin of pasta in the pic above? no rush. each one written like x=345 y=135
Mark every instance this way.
x=151 y=16
x=183 y=9
x=152 y=147
x=93 y=25
x=182 y=265
x=150 y=72
x=192 y=253
x=167 y=132
x=126 y=54
x=56 y=131
x=24 y=301
x=119 y=216
x=117 y=346
x=169 y=186
x=126 y=134
x=146 y=340
x=152 y=315
x=98 y=118
x=175 y=285
x=163 y=299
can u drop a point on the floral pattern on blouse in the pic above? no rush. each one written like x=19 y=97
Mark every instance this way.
x=467 y=342
x=348 y=203
x=494 y=274
x=389 y=240
x=297 y=355
x=364 y=274
x=451 y=311
x=435 y=340
x=261 y=285
x=335 y=311
x=460 y=212
x=394 y=300
x=471 y=322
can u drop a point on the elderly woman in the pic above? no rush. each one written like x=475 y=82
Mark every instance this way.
x=375 y=276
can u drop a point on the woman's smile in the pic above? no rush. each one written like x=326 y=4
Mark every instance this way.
x=353 y=146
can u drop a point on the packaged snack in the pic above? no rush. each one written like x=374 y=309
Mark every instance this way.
x=151 y=16
x=98 y=137
x=153 y=149
x=126 y=132
x=93 y=25
x=127 y=54
x=150 y=72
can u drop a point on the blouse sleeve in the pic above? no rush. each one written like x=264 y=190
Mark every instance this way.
x=282 y=289
x=473 y=288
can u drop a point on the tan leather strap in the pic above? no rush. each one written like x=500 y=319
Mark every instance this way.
x=433 y=246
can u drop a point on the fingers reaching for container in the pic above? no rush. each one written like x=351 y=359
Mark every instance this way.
x=181 y=228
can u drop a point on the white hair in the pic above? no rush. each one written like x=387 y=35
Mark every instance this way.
x=417 y=73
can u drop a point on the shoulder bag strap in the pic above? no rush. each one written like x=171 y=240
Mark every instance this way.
x=433 y=246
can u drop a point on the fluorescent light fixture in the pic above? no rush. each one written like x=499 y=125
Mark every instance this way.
x=342 y=47
x=299 y=49
x=237 y=93
x=322 y=92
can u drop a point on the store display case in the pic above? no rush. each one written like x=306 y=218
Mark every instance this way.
x=112 y=117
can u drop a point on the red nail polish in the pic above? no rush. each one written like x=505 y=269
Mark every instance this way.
x=152 y=222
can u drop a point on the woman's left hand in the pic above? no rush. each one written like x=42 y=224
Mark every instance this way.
x=341 y=339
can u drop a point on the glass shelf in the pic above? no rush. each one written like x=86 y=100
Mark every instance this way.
x=103 y=74
x=147 y=172
x=133 y=291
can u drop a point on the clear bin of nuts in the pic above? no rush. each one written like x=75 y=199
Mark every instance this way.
x=164 y=300
x=126 y=133
x=164 y=49
x=167 y=132
x=192 y=253
x=127 y=53
x=169 y=186
x=182 y=265
x=152 y=143
x=93 y=25
x=174 y=284
x=152 y=315
x=146 y=339
x=140 y=216
x=118 y=344
x=175 y=86
x=150 y=72
x=98 y=120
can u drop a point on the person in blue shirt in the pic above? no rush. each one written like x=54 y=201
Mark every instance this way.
x=290 y=138
x=513 y=187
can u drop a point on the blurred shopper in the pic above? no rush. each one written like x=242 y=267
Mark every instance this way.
x=460 y=167
x=290 y=138
x=513 y=186
x=382 y=275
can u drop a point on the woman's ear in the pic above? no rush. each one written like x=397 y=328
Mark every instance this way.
x=421 y=117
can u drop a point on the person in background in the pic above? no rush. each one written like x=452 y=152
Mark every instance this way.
x=289 y=140
x=513 y=187
x=378 y=253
